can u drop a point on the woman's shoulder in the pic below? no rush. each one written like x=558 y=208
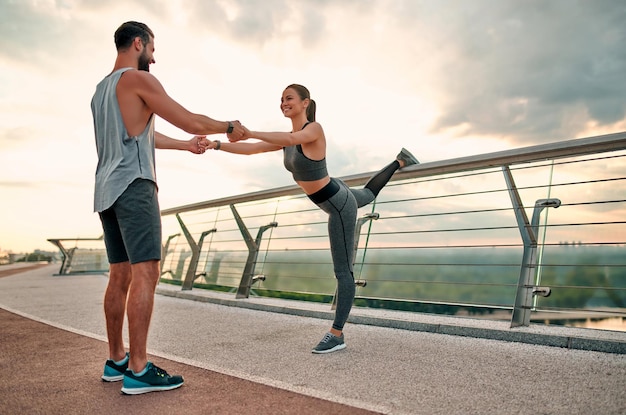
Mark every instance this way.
x=313 y=125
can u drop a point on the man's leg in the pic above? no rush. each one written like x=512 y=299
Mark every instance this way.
x=145 y=276
x=143 y=376
x=115 y=307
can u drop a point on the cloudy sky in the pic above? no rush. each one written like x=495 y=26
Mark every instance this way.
x=444 y=78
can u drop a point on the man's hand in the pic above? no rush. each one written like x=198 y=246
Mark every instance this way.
x=245 y=134
x=237 y=134
x=198 y=144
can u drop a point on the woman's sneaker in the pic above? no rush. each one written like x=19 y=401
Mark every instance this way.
x=151 y=379
x=330 y=343
x=114 y=372
x=406 y=156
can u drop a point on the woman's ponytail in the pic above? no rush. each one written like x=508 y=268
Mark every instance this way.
x=310 y=110
x=304 y=93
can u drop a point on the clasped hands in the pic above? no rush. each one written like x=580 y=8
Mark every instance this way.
x=200 y=144
x=238 y=134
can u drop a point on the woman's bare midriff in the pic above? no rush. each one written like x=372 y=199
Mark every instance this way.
x=313 y=186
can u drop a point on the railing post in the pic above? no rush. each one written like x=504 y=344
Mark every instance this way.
x=248 y=278
x=195 y=253
x=67 y=267
x=64 y=254
x=68 y=254
x=357 y=234
x=200 y=243
x=526 y=287
x=165 y=248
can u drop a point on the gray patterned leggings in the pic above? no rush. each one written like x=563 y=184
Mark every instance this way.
x=341 y=203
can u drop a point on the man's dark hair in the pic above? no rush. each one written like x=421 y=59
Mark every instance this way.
x=127 y=32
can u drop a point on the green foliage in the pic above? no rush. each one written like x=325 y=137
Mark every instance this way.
x=36 y=257
x=481 y=279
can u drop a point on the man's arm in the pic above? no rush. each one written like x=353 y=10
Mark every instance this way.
x=157 y=101
x=196 y=145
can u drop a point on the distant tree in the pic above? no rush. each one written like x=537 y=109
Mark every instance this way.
x=35 y=257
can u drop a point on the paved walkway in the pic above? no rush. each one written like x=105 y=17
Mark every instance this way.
x=245 y=360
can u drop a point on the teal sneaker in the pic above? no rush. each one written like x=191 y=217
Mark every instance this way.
x=330 y=343
x=408 y=158
x=114 y=372
x=151 y=379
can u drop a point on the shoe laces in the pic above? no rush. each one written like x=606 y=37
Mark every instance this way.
x=327 y=337
x=159 y=371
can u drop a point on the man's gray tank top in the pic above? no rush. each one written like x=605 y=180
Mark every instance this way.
x=121 y=159
x=301 y=167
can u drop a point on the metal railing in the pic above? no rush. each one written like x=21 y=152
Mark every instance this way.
x=450 y=236
x=81 y=255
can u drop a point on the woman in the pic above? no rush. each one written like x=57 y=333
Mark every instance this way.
x=304 y=155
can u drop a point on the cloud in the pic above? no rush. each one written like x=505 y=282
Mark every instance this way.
x=529 y=72
x=17 y=184
x=525 y=69
x=21 y=29
x=15 y=137
x=256 y=23
x=310 y=23
x=444 y=78
x=38 y=32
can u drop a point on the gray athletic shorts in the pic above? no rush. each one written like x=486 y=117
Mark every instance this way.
x=132 y=226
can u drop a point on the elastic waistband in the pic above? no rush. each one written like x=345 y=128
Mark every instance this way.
x=325 y=192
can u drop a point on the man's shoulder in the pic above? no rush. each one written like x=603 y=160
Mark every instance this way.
x=138 y=80
x=137 y=74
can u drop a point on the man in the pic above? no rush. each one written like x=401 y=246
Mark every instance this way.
x=124 y=107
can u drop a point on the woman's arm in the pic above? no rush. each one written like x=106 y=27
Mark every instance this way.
x=243 y=148
x=311 y=133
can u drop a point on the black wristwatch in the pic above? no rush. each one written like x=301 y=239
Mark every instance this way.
x=230 y=127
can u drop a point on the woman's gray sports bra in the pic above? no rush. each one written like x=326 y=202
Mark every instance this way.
x=301 y=167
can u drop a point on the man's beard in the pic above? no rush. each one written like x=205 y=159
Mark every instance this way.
x=144 y=63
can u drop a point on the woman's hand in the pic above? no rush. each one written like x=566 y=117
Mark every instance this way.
x=244 y=136
x=198 y=144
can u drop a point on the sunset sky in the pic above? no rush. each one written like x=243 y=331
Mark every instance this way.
x=443 y=78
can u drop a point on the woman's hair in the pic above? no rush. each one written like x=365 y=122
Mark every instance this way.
x=127 y=32
x=304 y=93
